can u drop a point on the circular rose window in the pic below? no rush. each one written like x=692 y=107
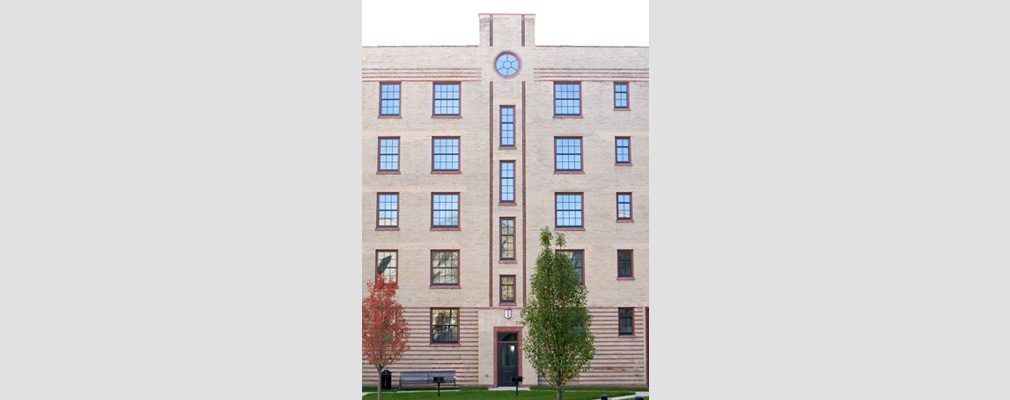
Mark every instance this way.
x=507 y=64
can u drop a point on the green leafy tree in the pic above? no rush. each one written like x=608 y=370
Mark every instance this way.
x=558 y=342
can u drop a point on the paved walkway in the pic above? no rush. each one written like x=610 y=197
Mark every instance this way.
x=512 y=388
x=631 y=396
x=363 y=394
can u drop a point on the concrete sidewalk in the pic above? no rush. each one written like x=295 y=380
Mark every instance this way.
x=507 y=388
x=631 y=396
x=363 y=394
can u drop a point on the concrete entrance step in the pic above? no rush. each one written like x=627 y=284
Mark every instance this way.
x=509 y=388
x=632 y=396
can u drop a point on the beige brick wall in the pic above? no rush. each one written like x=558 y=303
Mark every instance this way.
x=597 y=68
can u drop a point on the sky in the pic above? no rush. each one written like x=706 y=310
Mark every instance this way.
x=454 y=22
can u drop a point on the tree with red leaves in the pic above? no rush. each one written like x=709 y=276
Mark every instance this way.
x=383 y=330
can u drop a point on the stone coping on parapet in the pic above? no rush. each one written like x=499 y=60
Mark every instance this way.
x=474 y=45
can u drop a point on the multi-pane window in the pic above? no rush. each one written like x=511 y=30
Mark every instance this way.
x=385 y=265
x=578 y=263
x=445 y=325
x=623 y=150
x=445 y=267
x=508 y=239
x=507 y=287
x=626 y=321
x=508 y=126
x=568 y=154
x=624 y=206
x=445 y=210
x=389 y=154
x=568 y=210
x=446 y=100
x=389 y=100
x=621 y=95
x=445 y=154
x=567 y=99
x=508 y=186
x=625 y=264
x=388 y=209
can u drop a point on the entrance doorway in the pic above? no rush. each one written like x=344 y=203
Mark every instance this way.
x=507 y=356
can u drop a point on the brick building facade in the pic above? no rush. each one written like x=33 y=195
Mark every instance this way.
x=467 y=152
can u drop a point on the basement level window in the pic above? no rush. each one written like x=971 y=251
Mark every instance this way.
x=445 y=325
x=626 y=321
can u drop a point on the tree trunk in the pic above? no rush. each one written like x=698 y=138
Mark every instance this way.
x=559 y=392
x=380 y=385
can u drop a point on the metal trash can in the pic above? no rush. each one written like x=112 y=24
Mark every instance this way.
x=387 y=380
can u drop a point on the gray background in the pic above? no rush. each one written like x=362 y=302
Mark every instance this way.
x=830 y=185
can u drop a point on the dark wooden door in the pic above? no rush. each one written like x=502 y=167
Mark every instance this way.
x=508 y=358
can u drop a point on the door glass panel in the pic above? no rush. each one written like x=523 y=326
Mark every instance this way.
x=508 y=337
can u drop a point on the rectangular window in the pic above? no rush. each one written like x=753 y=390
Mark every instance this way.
x=620 y=94
x=567 y=154
x=389 y=99
x=624 y=206
x=625 y=264
x=444 y=267
x=508 y=186
x=389 y=154
x=445 y=325
x=567 y=98
x=507 y=231
x=445 y=210
x=388 y=208
x=578 y=263
x=446 y=99
x=626 y=321
x=508 y=126
x=385 y=265
x=568 y=210
x=623 y=150
x=507 y=288
x=445 y=154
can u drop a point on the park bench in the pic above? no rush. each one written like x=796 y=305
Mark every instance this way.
x=426 y=378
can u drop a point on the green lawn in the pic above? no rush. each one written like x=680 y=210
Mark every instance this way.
x=481 y=394
x=596 y=388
